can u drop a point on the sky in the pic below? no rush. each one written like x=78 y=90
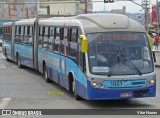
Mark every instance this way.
x=118 y=4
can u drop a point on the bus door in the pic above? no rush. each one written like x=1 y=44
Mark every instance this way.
x=64 y=45
x=28 y=43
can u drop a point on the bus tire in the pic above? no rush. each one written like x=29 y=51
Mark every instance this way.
x=19 y=61
x=6 y=55
x=45 y=73
x=77 y=97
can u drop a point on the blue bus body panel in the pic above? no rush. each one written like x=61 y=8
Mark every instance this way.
x=26 y=54
x=7 y=45
x=52 y=63
x=59 y=68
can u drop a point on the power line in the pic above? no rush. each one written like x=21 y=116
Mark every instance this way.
x=136 y=3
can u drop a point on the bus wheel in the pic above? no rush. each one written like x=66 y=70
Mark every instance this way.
x=6 y=55
x=19 y=62
x=74 y=90
x=46 y=75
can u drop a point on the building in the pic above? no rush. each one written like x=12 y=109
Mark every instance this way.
x=57 y=8
x=119 y=11
x=63 y=7
x=20 y=9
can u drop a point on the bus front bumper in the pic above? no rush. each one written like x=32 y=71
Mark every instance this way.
x=119 y=93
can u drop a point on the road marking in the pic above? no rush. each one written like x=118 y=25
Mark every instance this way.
x=2 y=65
x=4 y=103
x=2 y=61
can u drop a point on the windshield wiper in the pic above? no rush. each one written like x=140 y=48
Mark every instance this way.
x=116 y=59
x=138 y=70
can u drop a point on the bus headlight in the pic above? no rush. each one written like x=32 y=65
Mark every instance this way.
x=151 y=82
x=95 y=84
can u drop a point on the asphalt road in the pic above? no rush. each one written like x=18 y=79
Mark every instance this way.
x=25 y=89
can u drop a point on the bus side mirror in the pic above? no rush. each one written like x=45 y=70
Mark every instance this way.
x=154 y=56
x=84 y=47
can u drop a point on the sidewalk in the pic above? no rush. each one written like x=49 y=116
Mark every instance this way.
x=157 y=54
x=157 y=64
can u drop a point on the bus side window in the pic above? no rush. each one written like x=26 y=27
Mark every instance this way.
x=30 y=35
x=73 y=45
x=45 y=37
x=10 y=33
x=5 y=29
x=81 y=56
x=3 y=32
x=64 y=44
x=9 y=30
x=40 y=37
x=74 y=34
x=21 y=34
x=25 y=40
x=17 y=34
x=57 y=39
x=6 y=34
x=51 y=38
x=81 y=59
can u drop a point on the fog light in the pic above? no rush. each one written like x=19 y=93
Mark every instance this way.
x=94 y=84
x=99 y=85
x=152 y=82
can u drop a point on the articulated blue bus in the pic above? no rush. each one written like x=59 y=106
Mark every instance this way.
x=95 y=56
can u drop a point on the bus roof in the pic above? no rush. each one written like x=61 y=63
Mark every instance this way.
x=109 y=22
x=7 y=23
x=25 y=21
x=97 y=22
x=89 y=22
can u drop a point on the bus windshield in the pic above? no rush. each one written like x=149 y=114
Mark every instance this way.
x=119 y=53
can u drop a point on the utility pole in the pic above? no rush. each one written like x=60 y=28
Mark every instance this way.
x=146 y=6
x=86 y=7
